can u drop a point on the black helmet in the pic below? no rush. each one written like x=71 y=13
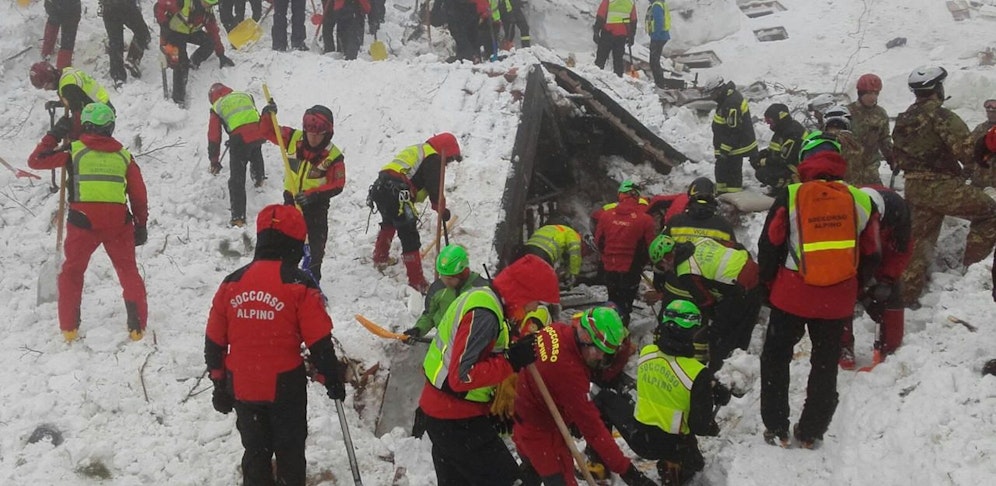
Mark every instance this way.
x=776 y=112
x=703 y=186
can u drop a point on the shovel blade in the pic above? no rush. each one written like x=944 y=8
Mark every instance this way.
x=48 y=278
x=247 y=32
x=24 y=3
x=378 y=51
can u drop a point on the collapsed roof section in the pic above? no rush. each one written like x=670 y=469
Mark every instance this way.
x=556 y=175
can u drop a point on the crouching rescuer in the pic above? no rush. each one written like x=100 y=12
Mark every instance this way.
x=259 y=318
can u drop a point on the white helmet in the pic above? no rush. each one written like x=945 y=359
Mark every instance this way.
x=837 y=114
x=926 y=78
x=712 y=83
x=822 y=102
x=876 y=198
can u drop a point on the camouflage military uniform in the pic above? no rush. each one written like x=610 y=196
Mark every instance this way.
x=983 y=176
x=930 y=140
x=870 y=126
x=732 y=138
x=852 y=151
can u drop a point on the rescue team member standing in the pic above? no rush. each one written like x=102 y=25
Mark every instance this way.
x=259 y=317
x=316 y=174
x=622 y=235
x=469 y=356
x=235 y=111
x=411 y=177
x=615 y=27
x=819 y=244
x=103 y=181
x=732 y=134
x=566 y=356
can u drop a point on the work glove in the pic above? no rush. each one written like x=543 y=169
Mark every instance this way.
x=634 y=477
x=503 y=404
x=215 y=167
x=445 y=214
x=502 y=425
x=596 y=37
x=303 y=198
x=141 y=235
x=270 y=107
x=172 y=54
x=880 y=292
x=334 y=386
x=413 y=334
x=374 y=26
x=224 y=61
x=631 y=41
x=522 y=352
x=720 y=393
x=61 y=128
x=221 y=399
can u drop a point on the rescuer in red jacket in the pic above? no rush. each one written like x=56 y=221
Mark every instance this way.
x=623 y=235
x=259 y=317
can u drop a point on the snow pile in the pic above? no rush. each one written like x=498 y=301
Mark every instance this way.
x=133 y=411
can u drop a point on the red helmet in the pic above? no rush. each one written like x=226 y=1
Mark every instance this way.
x=447 y=144
x=217 y=91
x=869 y=82
x=44 y=75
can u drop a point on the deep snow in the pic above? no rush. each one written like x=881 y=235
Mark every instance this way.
x=925 y=416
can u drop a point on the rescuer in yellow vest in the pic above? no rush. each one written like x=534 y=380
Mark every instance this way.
x=235 y=112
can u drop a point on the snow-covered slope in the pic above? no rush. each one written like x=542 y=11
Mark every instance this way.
x=923 y=417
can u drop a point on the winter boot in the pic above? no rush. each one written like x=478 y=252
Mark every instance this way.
x=135 y=328
x=669 y=472
x=804 y=441
x=413 y=265
x=382 y=247
x=893 y=325
x=777 y=437
x=595 y=465
x=134 y=61
x=64 y=59
x=180 y=86
x=847 y=357
x=71 y=335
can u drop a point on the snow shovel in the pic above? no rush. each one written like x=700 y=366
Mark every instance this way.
x=19 y=173
x=248 y=31
x=24 y=3
x=378 y=51
x=48 y=276
x=384 y=333
x=349 y=444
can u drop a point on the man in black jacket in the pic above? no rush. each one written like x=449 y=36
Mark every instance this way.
x=778 y=164
x=733 y=135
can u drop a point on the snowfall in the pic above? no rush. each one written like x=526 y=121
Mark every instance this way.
x=105 y=410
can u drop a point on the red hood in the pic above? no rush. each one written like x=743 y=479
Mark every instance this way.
x=100 y=142
x=823 y=165
x=446 y=144
x=526 y=280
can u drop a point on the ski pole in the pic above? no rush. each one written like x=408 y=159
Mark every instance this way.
x=349 y=444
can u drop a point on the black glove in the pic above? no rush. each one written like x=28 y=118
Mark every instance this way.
x=215 y=168
x=596 y=37
x=61 y=128
x=522 y=352
x=141 y=235
x=413 y=335
x=224 y=61
x=303 y=199
x=631 y=41
x=880 y=292
x=634 y=477
x=720 y=393
x=445 y=214
x=221 y=399
x=335 y=387
x=270 y=107
x=374 y=26
x=501 y=424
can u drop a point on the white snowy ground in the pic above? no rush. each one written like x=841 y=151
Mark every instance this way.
x=925 y=416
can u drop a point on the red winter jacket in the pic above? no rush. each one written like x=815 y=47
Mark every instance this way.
x=895 y=234
x=364 y=5
x=616 y=30
x=674 y=204
x=101 y=215
x=249 y=133
x=623 y=235
x=567 y=378
x=335 y=174
x=259 y=317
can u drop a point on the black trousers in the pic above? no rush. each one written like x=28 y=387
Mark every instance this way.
x=468 y=452
x=349 y=27
x=232 y=12
x=240 y=156
x=734 y=318
x=784 y=331
x=125 y=14
x=462 y=20
x=622 y=288
x=513 y=19
x=277 y=428
x=205 y=46
x=656 y=49
x=316 y=218
x=616 y=45
x=384 y=193
x=279 y=30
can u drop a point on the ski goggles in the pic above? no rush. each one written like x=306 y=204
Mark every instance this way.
x=686 y=320
x=316 y=124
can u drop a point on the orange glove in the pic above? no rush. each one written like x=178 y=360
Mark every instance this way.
x=172 y=54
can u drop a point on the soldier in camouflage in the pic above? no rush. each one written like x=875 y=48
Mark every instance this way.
x=837 y=122
x=985 y=176
x=930 y=140
x=870 y=125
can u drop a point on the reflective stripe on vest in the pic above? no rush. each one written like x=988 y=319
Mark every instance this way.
x=619 y=11
x=410 y=159
x=797 y=250
x=99 y=176
x=649 y=20
x=664 y=389
x=181 y=20
x=235 y=110
x=714 y=261
x=556 y=240
x=682 y=234
x=304 y=175
x=436 y=364
x=86 y=83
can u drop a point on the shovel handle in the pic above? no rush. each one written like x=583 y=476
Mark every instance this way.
x=276 y=130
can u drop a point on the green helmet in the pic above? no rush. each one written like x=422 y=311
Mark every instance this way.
x=605 y=328
x=97 y=114
x=210 y=3
x=452 y=260
x=660 y=247
x=817 y=141
x=628 y=186
x=682 y=314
